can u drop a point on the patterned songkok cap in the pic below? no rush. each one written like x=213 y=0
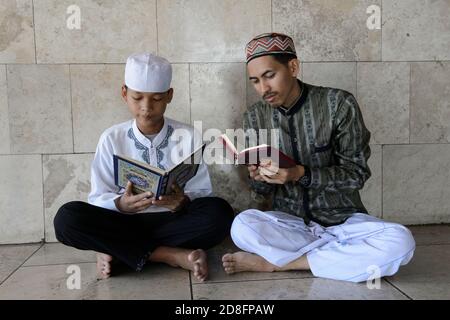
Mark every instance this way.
x=270 y=43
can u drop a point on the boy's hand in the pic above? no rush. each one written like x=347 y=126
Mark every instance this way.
x=129 y=203
x=270 y=173
x=173 y=202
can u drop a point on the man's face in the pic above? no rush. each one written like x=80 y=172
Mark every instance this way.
x=273 y=81
x=147 y=108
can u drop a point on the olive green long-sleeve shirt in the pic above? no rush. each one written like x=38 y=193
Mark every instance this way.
x=325 y=132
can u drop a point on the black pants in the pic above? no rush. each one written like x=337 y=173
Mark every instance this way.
x=202 y=224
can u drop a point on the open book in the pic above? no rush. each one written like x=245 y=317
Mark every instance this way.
x=145 y=177
x=254 y=155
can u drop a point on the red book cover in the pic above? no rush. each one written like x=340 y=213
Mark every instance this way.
x=254 y=155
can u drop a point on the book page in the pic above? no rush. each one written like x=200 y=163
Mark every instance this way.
x=184 y=171
x=181 y=175
x=142 y=179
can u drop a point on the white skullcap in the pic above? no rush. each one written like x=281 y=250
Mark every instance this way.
x=145 y=72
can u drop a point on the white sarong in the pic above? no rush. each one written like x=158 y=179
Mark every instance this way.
x=349 y=251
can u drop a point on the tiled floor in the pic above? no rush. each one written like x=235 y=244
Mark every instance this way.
x=39 y=271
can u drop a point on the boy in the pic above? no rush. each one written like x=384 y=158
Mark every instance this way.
x=173 y=229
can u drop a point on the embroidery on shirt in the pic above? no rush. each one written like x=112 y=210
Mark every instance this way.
x=163 y=144
x=139 y=146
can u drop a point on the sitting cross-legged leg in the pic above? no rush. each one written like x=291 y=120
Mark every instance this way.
x=174 y=238
x=274 y=241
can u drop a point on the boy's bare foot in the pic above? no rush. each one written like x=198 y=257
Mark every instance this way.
x=103 y=265
x=244 y=261
x=193 y=260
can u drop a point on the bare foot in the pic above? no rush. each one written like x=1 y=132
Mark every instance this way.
x=199 y=264
x=103 y=265
x=244 y=261
x=193 y=260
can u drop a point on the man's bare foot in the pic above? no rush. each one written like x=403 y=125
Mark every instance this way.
x=244 y=261
x=103 y=265
x=193 y=260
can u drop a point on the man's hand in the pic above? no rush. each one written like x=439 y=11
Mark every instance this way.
x=173 y=202
x=253 y=172
x=270 y=173
x=129 y=203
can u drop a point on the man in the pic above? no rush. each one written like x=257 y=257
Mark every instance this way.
x=319 y=222
x=134 y=229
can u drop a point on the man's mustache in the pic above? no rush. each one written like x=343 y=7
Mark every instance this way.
x=268 y=94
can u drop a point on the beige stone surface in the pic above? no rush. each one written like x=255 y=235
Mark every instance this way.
x=430 y=102
x=426 y=277
x=50 y=283
x=432 y=234
x=295 y=289
x=383 y=95
x=21 y=211
x=341 y=75
x=58 y=253
x=39 y=109
x=16 y=31
x=109 y=31
x=416 y=30
x=180 y=107
x=218 y=96
x=210 y=30
x=4 y=117
x=13 y=256
x=96 y=102
x=416 y=185
x=66 y=178
x=328 y=30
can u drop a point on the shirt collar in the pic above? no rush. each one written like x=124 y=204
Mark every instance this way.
x=146 y=141
x=298 y=104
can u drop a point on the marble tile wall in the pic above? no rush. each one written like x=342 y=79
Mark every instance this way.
x=60 y=89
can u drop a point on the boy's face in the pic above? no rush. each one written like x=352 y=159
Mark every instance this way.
x=272 y=80
x=147 y=107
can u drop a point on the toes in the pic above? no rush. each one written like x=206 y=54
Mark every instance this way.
x=101 y=275
x=194 y=255
x=196 y=267
x=104 y=257
x=224 y=257
x=227 y=257
x=200 y=275
x=229 y=270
